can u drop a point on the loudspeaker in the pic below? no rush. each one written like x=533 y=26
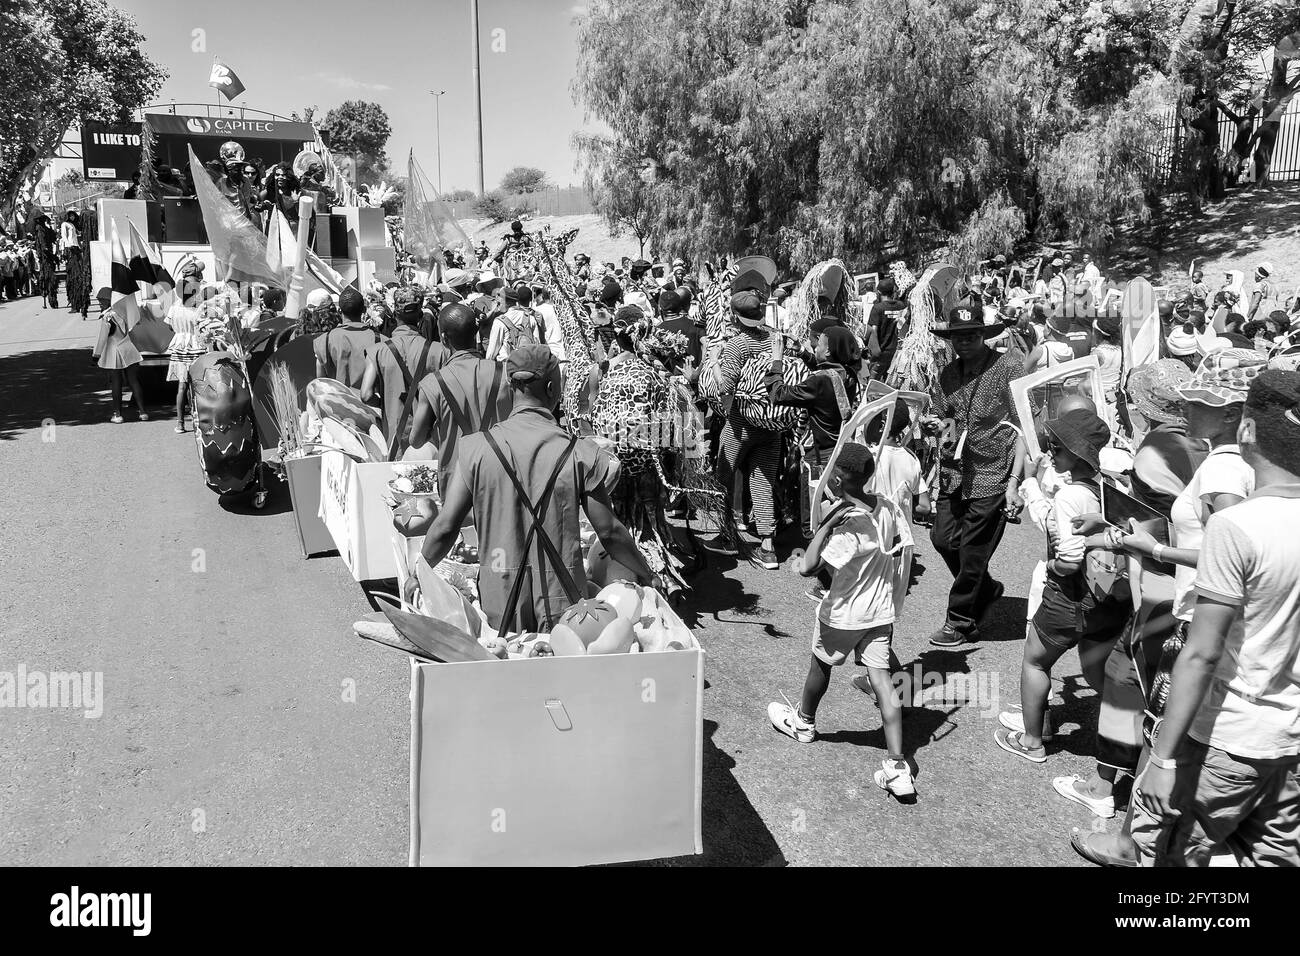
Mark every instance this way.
x=331 y=236
x=182 y=221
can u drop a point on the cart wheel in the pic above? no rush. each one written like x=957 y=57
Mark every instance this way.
x=259 y=500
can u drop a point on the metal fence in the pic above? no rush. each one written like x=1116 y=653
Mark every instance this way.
x=553 y=201
x=1285 y=164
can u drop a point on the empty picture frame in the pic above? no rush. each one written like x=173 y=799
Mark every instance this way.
x=1037 y=395
x=860 y=419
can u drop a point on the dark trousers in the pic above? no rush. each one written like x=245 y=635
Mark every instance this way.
x=966 y=532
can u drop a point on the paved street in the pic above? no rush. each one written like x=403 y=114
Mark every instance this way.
x=224 y=654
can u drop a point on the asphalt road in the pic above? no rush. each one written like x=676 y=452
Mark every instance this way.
x=226 y=737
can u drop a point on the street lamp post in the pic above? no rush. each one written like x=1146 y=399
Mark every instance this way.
x=478 y=90
x=437 y=130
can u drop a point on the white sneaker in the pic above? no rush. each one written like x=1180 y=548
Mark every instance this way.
x=896 y=780
x=1015 y=720
x=785 y=719
x=1068 y=787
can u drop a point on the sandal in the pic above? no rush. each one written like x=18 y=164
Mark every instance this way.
x=1012 y=743
x=1084 y=845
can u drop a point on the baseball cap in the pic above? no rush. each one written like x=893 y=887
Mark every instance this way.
x=748 y=306
x=532 y=363
x=317 y=298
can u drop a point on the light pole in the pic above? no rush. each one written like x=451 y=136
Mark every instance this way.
x=478 y=90
x=437 y=130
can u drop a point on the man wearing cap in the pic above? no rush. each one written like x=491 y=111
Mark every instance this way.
x=467 y=393
x=528 y=481
x=750 y=451
x=398 y=366
x=980 y=467
x=456 y=284
x=341 y=353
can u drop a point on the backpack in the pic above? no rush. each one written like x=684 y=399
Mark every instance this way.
x=527 y=333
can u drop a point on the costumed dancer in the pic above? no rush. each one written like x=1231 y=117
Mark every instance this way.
x=641 y=412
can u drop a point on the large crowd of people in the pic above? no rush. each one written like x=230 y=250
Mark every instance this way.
x=657 y=402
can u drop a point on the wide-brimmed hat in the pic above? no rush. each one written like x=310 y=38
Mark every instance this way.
x=1224 y=377
x=751 y=279
x=1082 y=433
x=488 y=282
x=455 y=278
x=967 y=318
x=1153 y=390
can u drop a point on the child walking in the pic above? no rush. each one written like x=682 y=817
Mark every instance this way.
x=864 y=542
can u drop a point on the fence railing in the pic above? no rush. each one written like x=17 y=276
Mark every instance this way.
x=1283 y=167
x=553 y=201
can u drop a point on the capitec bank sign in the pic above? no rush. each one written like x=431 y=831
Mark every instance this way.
x=112 y=152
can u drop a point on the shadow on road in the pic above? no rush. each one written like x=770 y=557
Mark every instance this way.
x=734 y=833
x=67 y=387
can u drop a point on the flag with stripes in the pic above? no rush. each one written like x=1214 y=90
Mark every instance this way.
x=145 y=266
x=123 y=286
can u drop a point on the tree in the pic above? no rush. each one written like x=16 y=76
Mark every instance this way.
x=852 y=128
x=524 y=179
x=618 y=189
x=460 y=195
x=494 y=206
x=72 y=177
x=65 y=61
x=361 y=130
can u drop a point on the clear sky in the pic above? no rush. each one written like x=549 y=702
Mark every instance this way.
x=290 y=55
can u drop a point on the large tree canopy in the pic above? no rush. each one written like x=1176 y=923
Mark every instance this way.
x=60 y=62
x=862 y=128
x=360 y=129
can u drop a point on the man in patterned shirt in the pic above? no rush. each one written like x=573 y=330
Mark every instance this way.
x=980 y=467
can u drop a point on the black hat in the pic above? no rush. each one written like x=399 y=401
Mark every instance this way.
x=611 y=292
x=751 y=279
x=968 y=317
x=1082 y=433
x=1108 y=325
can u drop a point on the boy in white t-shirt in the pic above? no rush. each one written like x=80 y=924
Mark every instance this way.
x=898 y=472
x=865 y=541
x=1225 y=758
